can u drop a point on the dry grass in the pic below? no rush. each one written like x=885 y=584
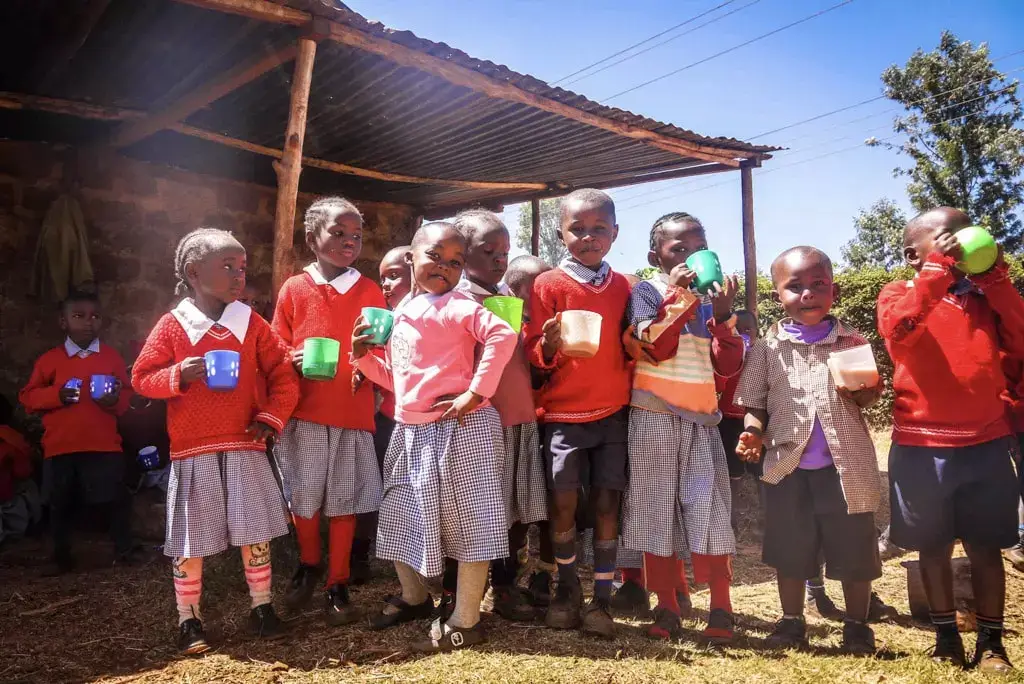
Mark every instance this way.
x=121 y=629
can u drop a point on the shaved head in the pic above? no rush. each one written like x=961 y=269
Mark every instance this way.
x=438 y=231
x=588 y=197
x=802 y=255
x=947 y=217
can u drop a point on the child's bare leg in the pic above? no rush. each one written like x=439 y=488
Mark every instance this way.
x=791 y=595
x=988 y=579
x=937 y=578
x=471 y=586
x=413 y=591
x=858 y=599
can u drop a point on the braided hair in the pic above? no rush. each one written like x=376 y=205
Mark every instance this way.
x=472 y=221
x=674 y=217
x=195 y=247
x=319 y=212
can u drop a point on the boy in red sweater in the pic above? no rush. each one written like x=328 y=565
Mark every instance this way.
x=584 y=400
x=326 y=450
x=81 y=444
x=950 y=470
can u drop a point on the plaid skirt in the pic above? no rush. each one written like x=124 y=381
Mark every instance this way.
x=328 y=468
x=224 y=499
x=442 y=494
x=523 y=483
x=679 y=495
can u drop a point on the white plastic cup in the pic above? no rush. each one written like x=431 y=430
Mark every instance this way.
x=581 y=333
x=854 y=368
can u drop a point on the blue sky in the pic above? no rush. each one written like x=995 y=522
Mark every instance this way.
x=830 y=62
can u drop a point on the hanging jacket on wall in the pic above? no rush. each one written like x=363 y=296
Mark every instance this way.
x=62 y=254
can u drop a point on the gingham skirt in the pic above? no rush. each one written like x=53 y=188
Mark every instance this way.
x=328 y=469
x=523 y=483
x=679 y=494
x=442 y=494
x=219 y=500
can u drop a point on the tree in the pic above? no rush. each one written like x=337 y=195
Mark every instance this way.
x=961 y=134
x=552 y=250
x=879 y=237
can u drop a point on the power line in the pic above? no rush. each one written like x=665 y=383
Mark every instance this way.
x=728 y=50
x=645 y=40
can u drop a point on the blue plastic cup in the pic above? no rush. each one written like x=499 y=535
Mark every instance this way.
x=75 y=384
x=222 y=368
x=101 y=385
x=149 y=457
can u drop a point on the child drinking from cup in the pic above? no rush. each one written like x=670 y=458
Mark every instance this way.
x=222 y=490
x=442 y=476
x=950 y=470
x=679 y=478
x=80 y=388
x=326 y=449
x=820 y=470
x=523 y=481
x=584 y=400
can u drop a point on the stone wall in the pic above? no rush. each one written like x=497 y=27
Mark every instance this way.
x=135 y=213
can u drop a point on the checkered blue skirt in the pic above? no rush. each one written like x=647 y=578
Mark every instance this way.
x=523 y=483
x=329 y=469
x=443 y=493
x=678 y=495
x=224 y=499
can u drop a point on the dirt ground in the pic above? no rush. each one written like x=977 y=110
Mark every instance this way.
x=117 y=624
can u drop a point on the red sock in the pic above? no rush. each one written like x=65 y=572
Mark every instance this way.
x=716 y=572
x=307 y=532
x=635 y=575
x=339 y=549
x=663 y=579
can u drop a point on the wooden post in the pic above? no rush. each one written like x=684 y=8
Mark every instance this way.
x=289 y=166
x=749 y=245
x=535 y=227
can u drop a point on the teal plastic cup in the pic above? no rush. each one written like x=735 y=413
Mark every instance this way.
x=979 y=248
x=320 y=358
x=508 y=309
x=708 y=269
x=381 y=322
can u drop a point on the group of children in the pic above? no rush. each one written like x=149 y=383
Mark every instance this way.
x=445 y=444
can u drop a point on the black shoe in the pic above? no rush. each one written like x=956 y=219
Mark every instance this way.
x=540 y=588
x=880 y=611
x=129 y=558
x=949 y=647
x=564 y=609
x=720 y=628
x=63 y=563
x=445 y=637
x=823 y=605
x=788 y=633
x=631 y=599
x=405 y=613
x=264 y=623
x=858 y=639
x=300 y=589
x=667 y=624
x=991 y=658
x=192 y=638
x=597 y=619
x=339 y=610
x=513 y=603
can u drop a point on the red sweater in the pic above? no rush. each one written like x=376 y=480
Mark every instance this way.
x=201 y=420
x=945 y=348
x=85 y=426
x=15 y=461
x=305 y=309
x=1014 y=394
x=581 y=390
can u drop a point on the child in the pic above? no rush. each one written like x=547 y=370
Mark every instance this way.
x=584 y=400
x=523 y=474
x=731 y=425
x=222 y=489
x=442 y=492
x=820 y=470
x=679 y=480
x=326 y=449
x=950 y=470
x=19 y=495
x=81 y=444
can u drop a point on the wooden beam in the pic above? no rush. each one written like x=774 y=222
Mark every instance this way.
x=289 y=166
x=535 y=227
x=63 y=52
x=469 y=78
x=202 y=96
x=749 y=244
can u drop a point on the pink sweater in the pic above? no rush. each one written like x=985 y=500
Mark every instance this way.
x=431 y=354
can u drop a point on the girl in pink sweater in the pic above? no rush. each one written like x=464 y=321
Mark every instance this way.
x=443 y=472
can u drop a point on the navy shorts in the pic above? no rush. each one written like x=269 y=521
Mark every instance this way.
x=92 y=477
x=590 y=455
x=941 y=494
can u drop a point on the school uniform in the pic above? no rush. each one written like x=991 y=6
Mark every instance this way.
x=442 y=479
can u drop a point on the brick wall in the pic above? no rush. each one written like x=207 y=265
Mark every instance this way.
x=135 y=213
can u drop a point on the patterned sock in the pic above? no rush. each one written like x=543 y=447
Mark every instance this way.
x=472 y=583
x=188 y=587
x=720 y=582
x=604 y=567
x=945 y=622
x=816 y=584
x=564 y=546
x=307 y=532
x=662 y=578
x=635 y=575
x=339 y=549
x=990 y=629
x=256 y=560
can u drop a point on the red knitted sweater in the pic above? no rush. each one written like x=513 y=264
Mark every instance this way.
x=581 y=390
x=201 y=420
x=305 y=309
x=945 y=348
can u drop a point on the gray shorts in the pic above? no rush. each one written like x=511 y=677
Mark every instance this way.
x=591 y=455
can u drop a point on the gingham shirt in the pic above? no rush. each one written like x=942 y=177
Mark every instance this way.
x=585 y=274
x=790 y=379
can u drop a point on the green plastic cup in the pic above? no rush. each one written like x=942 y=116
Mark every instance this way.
x=320 y=358
x=979 y=250
x=508 y=309
x=708 y=269
x=381 y=321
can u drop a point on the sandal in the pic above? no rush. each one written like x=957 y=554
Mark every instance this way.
x=445 y=637
x=405 y=613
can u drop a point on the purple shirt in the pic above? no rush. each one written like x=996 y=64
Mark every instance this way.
x=817 y=454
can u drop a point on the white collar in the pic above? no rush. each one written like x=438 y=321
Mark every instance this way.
x=465 y=285
x=196 y=324
x=343 y=283
x=74 y=350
